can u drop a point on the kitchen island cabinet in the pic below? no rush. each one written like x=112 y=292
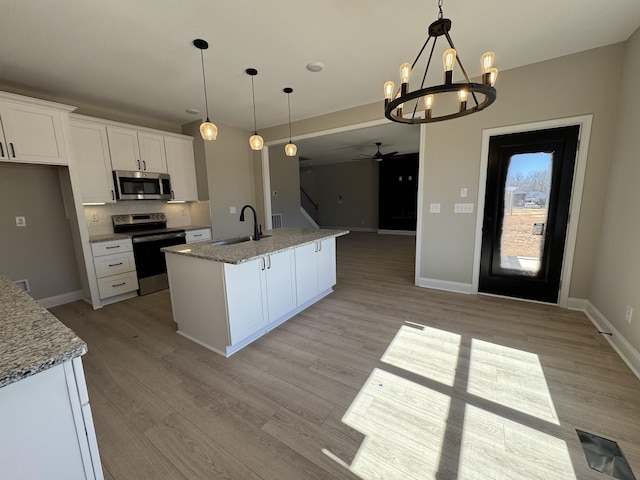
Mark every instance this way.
x=47 y=427
x=227 y=296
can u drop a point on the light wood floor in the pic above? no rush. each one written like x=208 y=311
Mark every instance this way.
x=380 y=380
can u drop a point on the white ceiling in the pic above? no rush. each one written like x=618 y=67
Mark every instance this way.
x=138 y=55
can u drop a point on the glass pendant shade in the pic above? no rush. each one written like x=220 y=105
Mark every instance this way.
x=208 y=130
x=256 y=142
x=290 y=149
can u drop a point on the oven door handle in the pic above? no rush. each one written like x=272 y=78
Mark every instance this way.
x=162 y=236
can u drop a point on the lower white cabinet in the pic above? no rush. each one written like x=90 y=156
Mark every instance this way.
x=200 y=235
x=115 y=267
x=315 y=269
x=47 y=428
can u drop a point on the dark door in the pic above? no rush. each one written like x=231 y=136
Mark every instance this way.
x=398 y=193
x=528 y=193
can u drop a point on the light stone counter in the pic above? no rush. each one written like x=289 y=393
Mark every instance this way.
x=31 y=338
x=280 y=239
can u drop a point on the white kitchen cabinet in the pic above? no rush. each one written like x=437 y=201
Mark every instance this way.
x=91 y=151
x=135 y=150
x=181 y=168
x=279 y=275
x=115 y=268
x=31 y=134
x=315 y=269
x=47 y=428
x=199 y=235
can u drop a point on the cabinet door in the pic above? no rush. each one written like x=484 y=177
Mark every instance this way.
x=246 y=298
x=32 y=134
x=306 y=272
x=152 y=155
x=326 y=264
x=123 y=144
x=181 y=168
x=281 y=288
x=91 y=152
x=200 y=235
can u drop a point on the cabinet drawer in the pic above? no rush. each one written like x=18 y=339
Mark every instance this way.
x=113 y=246
x=114 y=264
x=117 y=284
x=198 y=235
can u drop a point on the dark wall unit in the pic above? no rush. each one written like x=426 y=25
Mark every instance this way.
x=398 y=184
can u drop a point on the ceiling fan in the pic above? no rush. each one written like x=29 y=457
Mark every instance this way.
x=378 y=156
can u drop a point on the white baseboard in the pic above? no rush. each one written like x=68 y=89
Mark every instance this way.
x=456 y=287
x=61 y=299
x=579 y=304
x=397 y=232
x=623 y=348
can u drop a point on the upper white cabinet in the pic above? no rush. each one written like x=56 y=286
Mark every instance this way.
x=91 y=152
x=181 y=168
x=31 y=134
x=136 y=150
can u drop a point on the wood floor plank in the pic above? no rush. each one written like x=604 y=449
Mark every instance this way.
x=167 y=408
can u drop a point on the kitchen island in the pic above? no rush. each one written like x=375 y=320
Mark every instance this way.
x=47 y=428
x=227 y=293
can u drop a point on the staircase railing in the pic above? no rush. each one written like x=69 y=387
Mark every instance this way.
x=309 y=205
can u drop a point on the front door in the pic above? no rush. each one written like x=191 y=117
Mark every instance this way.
x=528 y=194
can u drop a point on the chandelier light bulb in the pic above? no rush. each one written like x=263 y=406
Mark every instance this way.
x=290 y=150
x=208 y=130
x=428 y=102
x=493 y=76
x=405 y=72
x=462 y=95
x=389 y=87
x=486 y=62
x=256 y=142
x=449 y=59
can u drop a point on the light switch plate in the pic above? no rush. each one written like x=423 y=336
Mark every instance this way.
x=232 y=210
x=463 y=208
x=463 y=192
x=434 y=208
x=21 y=222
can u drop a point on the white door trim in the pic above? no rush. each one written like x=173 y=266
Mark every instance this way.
x=584 y=121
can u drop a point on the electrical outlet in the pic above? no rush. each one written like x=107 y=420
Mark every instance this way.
x=463 y=192
x=94 y=217
x=232 y=210
x=628 y=314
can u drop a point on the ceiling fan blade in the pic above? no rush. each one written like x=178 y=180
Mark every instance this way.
x=390 y=154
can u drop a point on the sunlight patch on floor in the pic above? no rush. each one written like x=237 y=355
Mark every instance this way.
x=404 y=424
x=510 y=377
x=496 y=448
x=428 y=352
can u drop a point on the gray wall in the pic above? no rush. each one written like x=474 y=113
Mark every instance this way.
x=41 y=252
x=346 y=193
x=285 y=188
x=616 y=279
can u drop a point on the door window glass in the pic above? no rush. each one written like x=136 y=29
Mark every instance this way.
x=526 y=198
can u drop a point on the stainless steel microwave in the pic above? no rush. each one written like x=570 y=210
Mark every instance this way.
x=141 y=185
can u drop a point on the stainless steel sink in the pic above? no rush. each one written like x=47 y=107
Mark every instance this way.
x=233 y=241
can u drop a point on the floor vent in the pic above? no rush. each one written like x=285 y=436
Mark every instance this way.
x=604 y=456
x=276 y=220
x=23 y=285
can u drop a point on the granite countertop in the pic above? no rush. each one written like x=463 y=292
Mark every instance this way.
x=31 y=338
x=107 y=237
x=281 y=239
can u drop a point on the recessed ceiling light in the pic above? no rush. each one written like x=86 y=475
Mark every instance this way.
x=192 y=111
x=315 y=66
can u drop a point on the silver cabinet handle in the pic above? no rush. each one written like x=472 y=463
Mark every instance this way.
x=320 y=246
x=197 y=235
x=173 y=195
x=263 y=265
x=269 y=259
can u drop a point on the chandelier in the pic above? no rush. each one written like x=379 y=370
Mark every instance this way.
x=471 y=97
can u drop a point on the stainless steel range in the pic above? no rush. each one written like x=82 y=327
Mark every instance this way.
x=149 y=233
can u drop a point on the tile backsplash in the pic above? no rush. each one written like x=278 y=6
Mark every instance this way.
x=98 y=217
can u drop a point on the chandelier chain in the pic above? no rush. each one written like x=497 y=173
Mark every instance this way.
x=440 y=8
x=289 y=104
x=204 y=81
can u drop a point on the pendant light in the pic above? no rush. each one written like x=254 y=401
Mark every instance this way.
x=255 y=142
x=207 y=129
x=290 y=148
